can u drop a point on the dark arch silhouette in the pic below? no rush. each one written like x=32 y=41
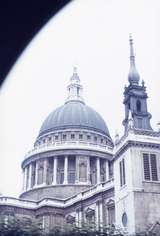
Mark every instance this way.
x=20 y=20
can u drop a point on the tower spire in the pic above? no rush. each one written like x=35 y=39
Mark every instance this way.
x=74 y=88
x=132 y=56
x=135 y=99
x=133 y=76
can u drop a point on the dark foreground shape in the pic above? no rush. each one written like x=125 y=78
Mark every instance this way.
x=13 y=226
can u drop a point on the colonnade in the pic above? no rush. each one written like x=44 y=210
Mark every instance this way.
x=36 y=173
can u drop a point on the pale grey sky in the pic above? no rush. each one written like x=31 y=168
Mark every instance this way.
x=93 y=35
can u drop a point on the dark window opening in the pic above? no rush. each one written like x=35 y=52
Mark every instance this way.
x=72 y=136
x=122 y=172
x=95 y=139
x=138 y=105
x=139 y=123
x=78 y=91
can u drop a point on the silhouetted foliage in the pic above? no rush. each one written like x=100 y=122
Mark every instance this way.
x=13 y=226
x=19 y=227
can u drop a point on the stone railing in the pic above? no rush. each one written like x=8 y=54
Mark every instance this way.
x=53 y=202
x=90 y=192
x=11 y=201
x=69 y=144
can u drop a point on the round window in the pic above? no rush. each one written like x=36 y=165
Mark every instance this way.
x=124 y=219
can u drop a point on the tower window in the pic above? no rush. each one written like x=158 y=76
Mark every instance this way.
x=72 y=136
x=95 y=139
x=150 y=167
x=88 y=137
x=122 y=172
x=80 y=136
x=64 y=136
x=78 y=91
x=56 y=137
x=138 y=105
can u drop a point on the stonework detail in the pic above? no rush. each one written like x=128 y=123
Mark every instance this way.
x=76 y=174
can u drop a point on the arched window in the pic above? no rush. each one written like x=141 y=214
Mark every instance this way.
x=138 y=105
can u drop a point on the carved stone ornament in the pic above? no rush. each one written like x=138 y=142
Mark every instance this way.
x=70 y=219
x=89 y=212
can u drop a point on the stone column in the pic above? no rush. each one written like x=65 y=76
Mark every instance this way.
x=45 y=165
x=97 y=215
x=30 y=176
x=88 y=171
x=36 y=174
x=55 y=170
x=79 y=217
x=77 y=170
x=107 y=170
x=25 y=179
x=98 y=170
x=66 y=170
x=100 y=214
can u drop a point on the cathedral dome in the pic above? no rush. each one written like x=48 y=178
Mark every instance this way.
x=74 y=114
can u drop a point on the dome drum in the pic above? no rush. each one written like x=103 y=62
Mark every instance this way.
x=79 y=171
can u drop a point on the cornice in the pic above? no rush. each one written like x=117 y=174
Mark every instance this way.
x=132 y=143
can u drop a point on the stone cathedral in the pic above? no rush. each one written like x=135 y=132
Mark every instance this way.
x=77 y=174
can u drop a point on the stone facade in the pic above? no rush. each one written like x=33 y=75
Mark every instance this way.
x=76 y=174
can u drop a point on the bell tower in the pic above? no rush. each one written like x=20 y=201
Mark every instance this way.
x=135 y=97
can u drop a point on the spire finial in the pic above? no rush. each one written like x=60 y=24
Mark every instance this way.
x=133 y=76
x=75 y=76
x=74 y=70
x=132 y=56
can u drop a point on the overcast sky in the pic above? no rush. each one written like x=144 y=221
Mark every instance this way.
x=92 y=35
